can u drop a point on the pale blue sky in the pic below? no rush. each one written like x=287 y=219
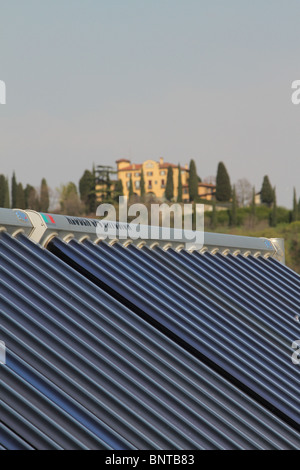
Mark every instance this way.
x=93 y=81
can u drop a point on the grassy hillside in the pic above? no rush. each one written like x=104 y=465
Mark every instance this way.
x=290 y=232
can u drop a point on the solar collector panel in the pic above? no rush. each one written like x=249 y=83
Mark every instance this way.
x=270 y=382
x=239 y=422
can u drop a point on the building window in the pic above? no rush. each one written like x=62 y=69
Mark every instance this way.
x=137 y=185
x=185 y=191
x=163 y=183
x=149 y=173
x=162 y=173
x=150 y=184
x=137 y=175
x=128 y=184
x=128 y=175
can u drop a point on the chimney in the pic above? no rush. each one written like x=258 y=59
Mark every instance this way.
x=161 y=160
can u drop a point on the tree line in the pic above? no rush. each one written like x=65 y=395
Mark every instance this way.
x=83 y=201
x=28 y=197
x=14 y=194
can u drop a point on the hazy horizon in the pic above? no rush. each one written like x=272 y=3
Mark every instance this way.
x=91 y=82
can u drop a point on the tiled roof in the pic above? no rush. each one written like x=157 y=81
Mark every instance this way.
x=122 y=160
x=138 y=166
x=133 y=167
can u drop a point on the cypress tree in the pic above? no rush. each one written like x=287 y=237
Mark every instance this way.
x=233 y=215
x=170 y=185
x=31 y=198
x=223 y=187
x=85 y=185
x=253 y=203
x=118 y=190
x=267 y=193
x=179 y=195
x=214 y=216
x=87 y=190
x=20 y=197
x=193 y=181
x=92 y=194
x=7 y=198
x=130 y=187
x=27 y=191
x=2 y=190
x=44 y=196
x=142 y=183
x=13 y=190
x=92 y=200
x=253 y=208
x=273 y=214
x=295 y=207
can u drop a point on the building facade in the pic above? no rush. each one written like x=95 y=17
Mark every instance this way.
x=205 y=191
x=155 y=176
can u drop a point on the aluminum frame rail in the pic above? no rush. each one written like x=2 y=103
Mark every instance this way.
x=41 y=228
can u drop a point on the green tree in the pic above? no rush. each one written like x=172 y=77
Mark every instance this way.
x=20 y=197
x=69 y=200
x=233 y=213
x=131 y=192
x=267 y=193
x=14 y=190
x=295 y=207
x=142 y=183
x=193 y=181
x=223 y=187
x=179 y=195
x=169 y=193
x=44 y=196
x=104 y=183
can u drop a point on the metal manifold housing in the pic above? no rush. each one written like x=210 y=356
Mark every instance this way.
x=42 y=227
